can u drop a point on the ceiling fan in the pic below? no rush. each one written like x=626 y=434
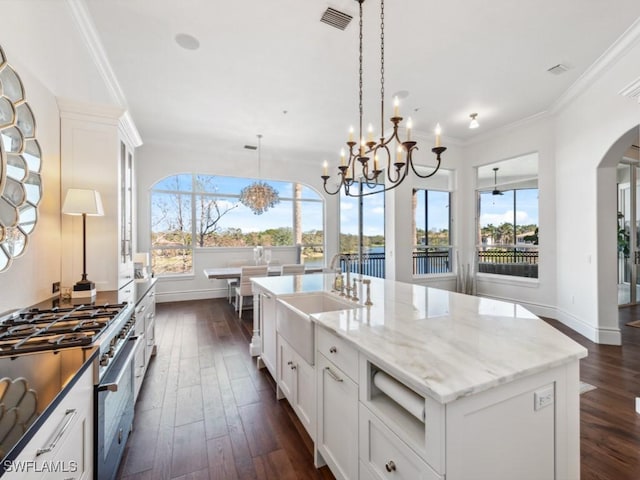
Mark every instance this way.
x=495 y=182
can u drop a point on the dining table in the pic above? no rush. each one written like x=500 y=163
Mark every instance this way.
x=224 y=273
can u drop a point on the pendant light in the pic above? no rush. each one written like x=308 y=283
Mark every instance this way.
x=259 y=196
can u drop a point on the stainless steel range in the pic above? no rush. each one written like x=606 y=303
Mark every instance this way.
x=45 y=347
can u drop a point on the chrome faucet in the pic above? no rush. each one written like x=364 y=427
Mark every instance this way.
x=333 y=266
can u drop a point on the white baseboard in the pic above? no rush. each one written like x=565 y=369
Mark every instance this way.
x=184 y=295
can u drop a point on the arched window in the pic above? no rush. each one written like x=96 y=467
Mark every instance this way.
x=193 y=211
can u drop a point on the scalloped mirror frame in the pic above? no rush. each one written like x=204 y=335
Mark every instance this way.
x=20 y=167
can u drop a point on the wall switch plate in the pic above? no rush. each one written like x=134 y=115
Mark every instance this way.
x=55 y=288
x=543 y=397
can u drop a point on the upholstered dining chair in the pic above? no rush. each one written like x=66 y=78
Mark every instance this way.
x=244 y=288
x=292 y=269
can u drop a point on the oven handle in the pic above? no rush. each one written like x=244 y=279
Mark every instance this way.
x=113 y=387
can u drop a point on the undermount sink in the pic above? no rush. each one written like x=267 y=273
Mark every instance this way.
x=294 y=323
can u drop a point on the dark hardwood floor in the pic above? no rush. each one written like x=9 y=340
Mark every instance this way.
x=206 y=412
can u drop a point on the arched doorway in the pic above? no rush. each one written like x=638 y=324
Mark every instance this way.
x=611 y=198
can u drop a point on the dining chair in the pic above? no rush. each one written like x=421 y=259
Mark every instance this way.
x=232 y=283
x=292 y=269
x=244 y=288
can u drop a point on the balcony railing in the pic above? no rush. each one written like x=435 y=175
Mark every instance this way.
x=431 y=261
x=372 y=264
x=514 y=261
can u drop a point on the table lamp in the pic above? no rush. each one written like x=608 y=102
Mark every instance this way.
x=86 y=203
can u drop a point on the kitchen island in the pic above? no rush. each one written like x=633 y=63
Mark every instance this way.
x=447 y=384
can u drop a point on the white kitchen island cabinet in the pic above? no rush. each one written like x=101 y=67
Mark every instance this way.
x=430 y=384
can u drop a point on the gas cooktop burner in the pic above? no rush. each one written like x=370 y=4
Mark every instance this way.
x=35 y=330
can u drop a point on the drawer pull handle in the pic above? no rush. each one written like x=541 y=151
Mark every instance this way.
x=390 y=466
x=333 y=375
x=70 y=413
x=293 y=367
x=289 y=363
x=333 y=350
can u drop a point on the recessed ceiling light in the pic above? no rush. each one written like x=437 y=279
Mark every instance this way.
x=187 y=41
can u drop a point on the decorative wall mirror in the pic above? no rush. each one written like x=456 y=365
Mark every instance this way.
x=20 y=165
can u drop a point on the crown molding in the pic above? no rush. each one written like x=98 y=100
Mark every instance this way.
x=110 y=114
x=82 y=18
x=618 y=49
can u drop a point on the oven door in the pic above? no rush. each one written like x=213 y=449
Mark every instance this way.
x=114 y=411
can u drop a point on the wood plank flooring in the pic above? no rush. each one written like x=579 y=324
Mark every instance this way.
x=206 y=412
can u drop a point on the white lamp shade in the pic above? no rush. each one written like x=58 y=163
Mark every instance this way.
x=81 y=201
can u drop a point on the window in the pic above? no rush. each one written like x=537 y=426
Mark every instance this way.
x=508 y=217
x=191 y=211
x=362 y=227
x=432 y=232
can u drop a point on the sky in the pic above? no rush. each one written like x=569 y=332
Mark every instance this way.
x=498 y=209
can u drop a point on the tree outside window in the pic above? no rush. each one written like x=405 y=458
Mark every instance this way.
x=190 y=211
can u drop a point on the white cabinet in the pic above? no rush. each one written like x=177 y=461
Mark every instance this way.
x=64 y=441
x=385 y=455
x=97 y=145
x=337 y=431
x=145 y=313
x=268 y=331
x=297 y=382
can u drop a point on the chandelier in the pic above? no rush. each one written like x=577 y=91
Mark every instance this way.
x=259 y=196
x=397 y=158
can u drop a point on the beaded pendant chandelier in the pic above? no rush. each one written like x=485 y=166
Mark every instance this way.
x=259 y=196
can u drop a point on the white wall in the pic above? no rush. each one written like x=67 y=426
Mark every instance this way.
x=535 y=135
x=586 y=193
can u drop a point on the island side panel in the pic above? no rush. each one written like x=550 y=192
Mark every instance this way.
x=527 y=429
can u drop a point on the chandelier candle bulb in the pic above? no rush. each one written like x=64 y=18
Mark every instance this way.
x=343 y=161
x=409 y=126
x=399 y=156
x=438 y=132
x=351 y=134
x=324 y=168
x=370 y=133
x=375 y=162
x=396 y=107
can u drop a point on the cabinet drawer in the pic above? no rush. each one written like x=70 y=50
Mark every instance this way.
x=64 y=441
x=338 y=351
x=385 y=455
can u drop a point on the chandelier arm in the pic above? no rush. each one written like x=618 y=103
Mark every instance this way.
x=438 y=160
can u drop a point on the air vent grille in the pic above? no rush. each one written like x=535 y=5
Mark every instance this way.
x=558 y=69
x=251 y=147
x=336 y=18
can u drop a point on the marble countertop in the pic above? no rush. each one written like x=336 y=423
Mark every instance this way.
x=442 y=344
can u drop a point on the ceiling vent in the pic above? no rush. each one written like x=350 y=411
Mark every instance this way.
x=558 y=69
x=251 y=147
x=336 y=18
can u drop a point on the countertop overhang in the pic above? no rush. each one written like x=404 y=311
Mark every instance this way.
x=442 y=344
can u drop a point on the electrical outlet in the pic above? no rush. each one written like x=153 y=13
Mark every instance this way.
x=55 y=288
x=543 y=397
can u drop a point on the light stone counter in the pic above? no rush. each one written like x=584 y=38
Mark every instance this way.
x=443 y=344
